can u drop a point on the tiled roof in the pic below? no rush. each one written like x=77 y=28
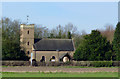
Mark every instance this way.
x=54 y=45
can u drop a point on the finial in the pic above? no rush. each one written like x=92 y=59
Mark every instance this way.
x=27 y=18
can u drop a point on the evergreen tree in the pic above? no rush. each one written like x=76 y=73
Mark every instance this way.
x=11 y=40
x=94 y=48
x=69 y=35
x=51 y=35
x=116 y=42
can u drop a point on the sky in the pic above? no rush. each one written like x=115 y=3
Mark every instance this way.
x=85 y=16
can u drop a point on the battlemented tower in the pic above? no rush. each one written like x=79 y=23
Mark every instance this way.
x=27 y=37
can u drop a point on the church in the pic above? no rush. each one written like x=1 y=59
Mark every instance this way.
x=45 y=50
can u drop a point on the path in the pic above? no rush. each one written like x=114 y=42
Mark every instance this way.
x=56 y=69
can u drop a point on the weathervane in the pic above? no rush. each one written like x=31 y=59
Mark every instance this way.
x=27 y=18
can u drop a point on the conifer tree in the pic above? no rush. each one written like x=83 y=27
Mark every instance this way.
x=69 y=35
x=94 y=48
x=116 y=42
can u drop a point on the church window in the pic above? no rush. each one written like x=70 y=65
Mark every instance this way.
x=27 y=43
x=28 y=32
x=43 y=59
x=53 y=57
x=28 y=52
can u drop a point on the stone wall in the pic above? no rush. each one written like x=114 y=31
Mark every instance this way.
x=48 y=55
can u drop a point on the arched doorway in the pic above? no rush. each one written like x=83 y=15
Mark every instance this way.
x=65 y=57
x=34 y=60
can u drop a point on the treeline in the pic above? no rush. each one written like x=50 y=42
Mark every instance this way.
x=11 y=37
x=11 y=40
x=95 y=46
x=67 y=32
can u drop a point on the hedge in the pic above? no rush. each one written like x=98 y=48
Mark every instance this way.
x=73 y=63
x=102 y=63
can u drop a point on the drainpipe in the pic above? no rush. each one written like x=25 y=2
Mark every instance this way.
x=58 y=55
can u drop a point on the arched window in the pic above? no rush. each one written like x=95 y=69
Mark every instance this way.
x=28 y=52
x=27 y=43
x=43 y=59
x=53 y=57
x=28 y=32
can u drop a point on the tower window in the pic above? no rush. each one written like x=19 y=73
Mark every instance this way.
x=28 y=32
x=27 y=43
x=43 y=59
x=28 y=52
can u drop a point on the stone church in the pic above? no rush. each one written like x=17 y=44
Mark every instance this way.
x=45 y=50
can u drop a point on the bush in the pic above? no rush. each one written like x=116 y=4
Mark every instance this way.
x=74 y=63
x=53 y=64
x=101 y=63
x=66 y=63
x=116 y=63
x=34 y=63
x=41 y=63
x=82 y=63
x=15 y=63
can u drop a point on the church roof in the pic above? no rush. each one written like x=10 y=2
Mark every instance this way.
x=54 y=45
x=36 y=40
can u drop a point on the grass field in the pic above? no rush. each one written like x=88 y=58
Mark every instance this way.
x=67 y=66
x=59 y=74
x=83 y=67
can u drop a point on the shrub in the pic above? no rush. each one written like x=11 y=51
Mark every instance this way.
x=41 y=63
x=74 y=63
x=101 y=63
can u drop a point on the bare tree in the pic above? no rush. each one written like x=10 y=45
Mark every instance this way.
x=108 y=32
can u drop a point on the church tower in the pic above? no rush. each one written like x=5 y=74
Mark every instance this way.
x=27 y=38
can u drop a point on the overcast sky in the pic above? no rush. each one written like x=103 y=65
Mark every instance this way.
x=84 y=15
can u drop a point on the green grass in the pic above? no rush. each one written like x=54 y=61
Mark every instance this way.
x=83 y=67
x=65 y=66
x=59 y=74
